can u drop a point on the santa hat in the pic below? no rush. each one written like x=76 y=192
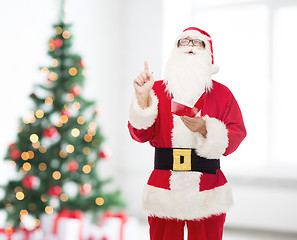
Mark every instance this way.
x=195 y=33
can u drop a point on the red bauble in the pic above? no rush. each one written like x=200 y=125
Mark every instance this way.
x=12 y=146
x=65 y=112
x=76 y=90
x=30 y=182
x=104 y=154
x=58 y=42
x=15 y=154
x=54 y=191
x=72 y=166
x=98 y=111
x=81 y=63
x=85 y=189
x=50 y=132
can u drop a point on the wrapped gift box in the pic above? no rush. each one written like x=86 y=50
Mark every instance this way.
x=119 y=227
x=66 y=225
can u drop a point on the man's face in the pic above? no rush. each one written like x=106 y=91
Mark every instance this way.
x=189 y=42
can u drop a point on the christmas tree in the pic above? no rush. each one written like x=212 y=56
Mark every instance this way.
x=58 y=144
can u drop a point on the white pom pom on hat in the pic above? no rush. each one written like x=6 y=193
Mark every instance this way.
x=201 y=34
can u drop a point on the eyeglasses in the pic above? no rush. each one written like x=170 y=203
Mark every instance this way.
x=196 y=42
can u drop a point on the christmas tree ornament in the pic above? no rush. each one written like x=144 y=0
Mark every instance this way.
x=58 y=42
x=15 y=154
x=81 y=63
x=72 y=166
x=85 y=189
x=50 y=132
x=76 y=90
x=66 y=113
x=104 y=154
x=30 y=182
x=54 y=191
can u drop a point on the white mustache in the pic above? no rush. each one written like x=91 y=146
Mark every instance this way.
x=190 y=49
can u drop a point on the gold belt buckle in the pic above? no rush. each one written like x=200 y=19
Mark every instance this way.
x=177 y=154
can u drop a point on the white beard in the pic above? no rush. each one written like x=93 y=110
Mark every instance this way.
x=188 y=76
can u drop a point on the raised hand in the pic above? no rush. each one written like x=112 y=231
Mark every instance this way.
x=143 y=85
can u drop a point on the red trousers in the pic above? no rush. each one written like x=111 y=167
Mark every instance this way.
x=171 y=229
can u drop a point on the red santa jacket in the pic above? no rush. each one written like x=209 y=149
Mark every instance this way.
x=188 y=195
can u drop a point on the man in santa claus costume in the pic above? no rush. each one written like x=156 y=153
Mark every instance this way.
x=191 y=121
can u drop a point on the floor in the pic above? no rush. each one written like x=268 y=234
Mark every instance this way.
x=230 y=234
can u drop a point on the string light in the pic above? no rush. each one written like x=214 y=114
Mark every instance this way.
x=66 y=34
x=25 y=156
x=43 y=198
x=69 y=97
x=75 y=132
x=99 y=201
x=32 y=206
x=93 y=125
x=48 y=101
x=52 y=46
x=56 y=175
x=23 y=212
x=42 y=166
x=72 y=71
x=88 y=138
x=76 y=105
x=36 y=144
x=20 y=129
x=59 y=30
x=31 y=154
x=42 y=149
x=64 y=197
x=18 y=189
x=92 y=132
x=70 y=148
x=86 y=150
x=53 y=76
x=80 y=120
x=39 y=113
x=27 y=166
x=30 y=118
x=49 y=209
x=12 y=163
x=63 y=154
x=34 y=138
x=95 y=143
x=45 y=70
x=86 y=169
x=20 y=196
x=37 y=222
x=59 y=124
x=64 y=119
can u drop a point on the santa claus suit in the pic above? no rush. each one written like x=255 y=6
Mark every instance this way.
x=172 y=197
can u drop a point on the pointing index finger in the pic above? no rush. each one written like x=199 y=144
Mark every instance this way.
x=146 y=68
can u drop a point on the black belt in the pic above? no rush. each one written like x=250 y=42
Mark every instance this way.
x=184 y=159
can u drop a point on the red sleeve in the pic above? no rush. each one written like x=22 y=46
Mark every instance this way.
x=141 y=135
x=234 y=124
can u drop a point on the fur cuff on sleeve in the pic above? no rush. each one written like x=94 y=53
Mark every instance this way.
x=216 y=141
x=143 y=118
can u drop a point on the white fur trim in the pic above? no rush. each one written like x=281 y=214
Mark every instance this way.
x=214 y=69
x=216 y=141
x=187 y=204
x=188 y=180
x=143 y=118
x=194 y=34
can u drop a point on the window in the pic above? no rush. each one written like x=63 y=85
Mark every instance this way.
x=254 y=47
